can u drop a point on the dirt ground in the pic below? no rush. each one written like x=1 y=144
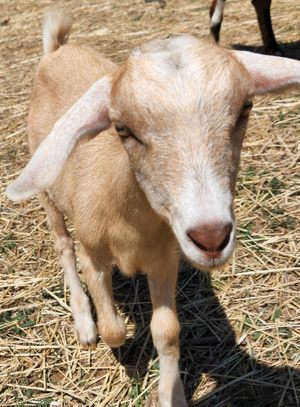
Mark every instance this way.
x=240 y=325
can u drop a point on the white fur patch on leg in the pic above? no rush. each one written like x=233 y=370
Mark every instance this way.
x=84 y=323
x=80 y=304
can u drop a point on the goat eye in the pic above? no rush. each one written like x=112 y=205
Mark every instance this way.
x=247 y=108
x=122 y=130
x=125 y=132
x=248 y=104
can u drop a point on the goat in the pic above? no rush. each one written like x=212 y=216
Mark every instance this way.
x=143 y=159
x=262 y=8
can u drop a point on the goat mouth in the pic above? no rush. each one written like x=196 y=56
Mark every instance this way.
x=208 y=261
x=209 y=265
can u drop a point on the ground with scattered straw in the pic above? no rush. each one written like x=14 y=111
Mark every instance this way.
x=240 y=325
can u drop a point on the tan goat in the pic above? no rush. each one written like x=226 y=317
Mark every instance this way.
x=158 y=182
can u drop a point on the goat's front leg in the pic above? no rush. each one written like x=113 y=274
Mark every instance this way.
x=165 y=331
x=98 y=278
x=80 y=303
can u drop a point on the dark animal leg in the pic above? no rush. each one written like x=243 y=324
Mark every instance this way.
x=262 y=8
x=216 y=17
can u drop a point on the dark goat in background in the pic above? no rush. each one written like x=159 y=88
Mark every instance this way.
x=262 y=8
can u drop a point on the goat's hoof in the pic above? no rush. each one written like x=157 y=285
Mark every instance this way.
x=84 y=323
x=113 y=332
x=87 y=333
x=89 y=345
x=277 y=52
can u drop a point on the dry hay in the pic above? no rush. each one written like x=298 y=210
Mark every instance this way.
x=241 y=325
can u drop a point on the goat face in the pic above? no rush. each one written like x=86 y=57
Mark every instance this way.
x=181 y=109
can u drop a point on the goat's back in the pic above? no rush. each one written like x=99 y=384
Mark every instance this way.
x=62 y=77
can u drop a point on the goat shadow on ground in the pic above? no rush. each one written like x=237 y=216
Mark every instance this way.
x=208 y=346
x=289 y=49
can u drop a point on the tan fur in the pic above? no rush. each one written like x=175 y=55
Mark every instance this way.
x=133 y=197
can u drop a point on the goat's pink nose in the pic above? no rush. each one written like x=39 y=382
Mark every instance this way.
x=211 y=237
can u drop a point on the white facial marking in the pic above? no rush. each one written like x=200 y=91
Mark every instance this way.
x=203 y=203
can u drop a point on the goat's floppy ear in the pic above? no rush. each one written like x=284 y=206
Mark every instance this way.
x=88 y=116
x=270 y=73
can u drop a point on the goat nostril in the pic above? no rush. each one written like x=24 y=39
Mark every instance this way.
x=212 y=237
x=197 y=243
x=228 y=229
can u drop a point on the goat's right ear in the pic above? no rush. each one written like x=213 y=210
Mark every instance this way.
x=88 y=116
x=270 y=73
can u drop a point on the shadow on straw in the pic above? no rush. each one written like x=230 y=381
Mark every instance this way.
x=208 y=346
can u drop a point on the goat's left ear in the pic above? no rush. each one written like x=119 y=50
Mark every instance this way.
x=88 y=116
x=270 y=73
